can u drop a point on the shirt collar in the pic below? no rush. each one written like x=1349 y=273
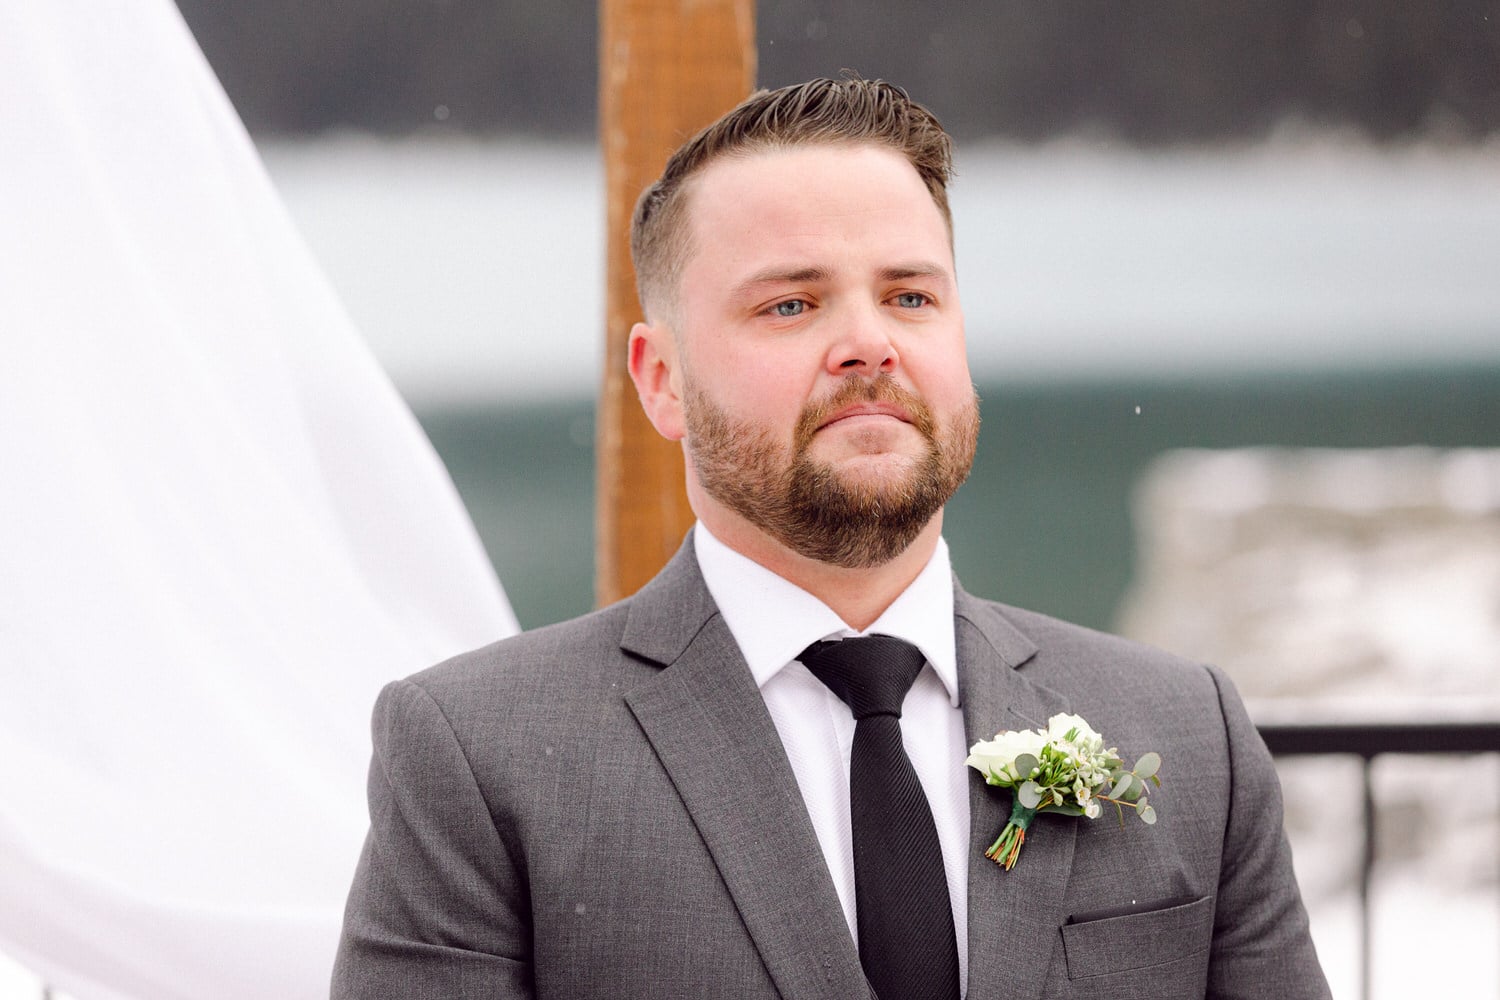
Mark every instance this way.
x=772 y=619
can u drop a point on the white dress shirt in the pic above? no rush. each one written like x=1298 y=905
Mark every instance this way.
x=773 y=620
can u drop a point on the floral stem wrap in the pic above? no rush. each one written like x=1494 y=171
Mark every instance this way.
x=1007 y=847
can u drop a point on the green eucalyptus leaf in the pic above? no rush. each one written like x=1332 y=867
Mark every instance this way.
x=1136 y=789
x=1148 y=815
x=1148 y=765
x=1030 y=794
x=1122 y=785
x=1062 y=810
x=1025 y=764
x=1156 y=781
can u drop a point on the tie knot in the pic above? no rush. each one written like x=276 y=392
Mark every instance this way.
x=871 y=674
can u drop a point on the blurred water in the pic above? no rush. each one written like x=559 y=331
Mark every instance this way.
x=1044 y=521
x=1304 y=291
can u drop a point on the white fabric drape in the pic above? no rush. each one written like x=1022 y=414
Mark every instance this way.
x=220 y=532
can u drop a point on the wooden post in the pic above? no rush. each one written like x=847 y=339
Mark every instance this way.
x=666 y=69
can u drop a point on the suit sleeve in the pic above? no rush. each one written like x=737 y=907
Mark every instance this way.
x=438 y=906
x=1261 y=945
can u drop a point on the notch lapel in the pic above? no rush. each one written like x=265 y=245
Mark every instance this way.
x=709 y=727
x=1014 y=916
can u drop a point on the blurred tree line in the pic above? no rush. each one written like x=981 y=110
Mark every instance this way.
x=1144 y=71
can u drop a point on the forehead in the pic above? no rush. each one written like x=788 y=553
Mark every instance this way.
x=786 y=196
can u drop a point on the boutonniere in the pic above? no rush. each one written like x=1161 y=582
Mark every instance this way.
x=1064 y=768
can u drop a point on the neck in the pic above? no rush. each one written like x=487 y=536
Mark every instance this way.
x=858 y=596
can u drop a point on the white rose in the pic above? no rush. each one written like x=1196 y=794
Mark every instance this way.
x=1059 y=725
x=996 y=756
x=1084 y=739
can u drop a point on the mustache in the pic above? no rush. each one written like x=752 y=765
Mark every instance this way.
x=857 y=389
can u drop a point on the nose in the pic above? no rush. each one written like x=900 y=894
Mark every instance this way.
x=863 y=347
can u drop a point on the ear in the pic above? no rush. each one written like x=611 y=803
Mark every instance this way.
x=652 y=357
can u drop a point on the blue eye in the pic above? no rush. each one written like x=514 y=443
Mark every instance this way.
x=791 y=307
x=912 y=300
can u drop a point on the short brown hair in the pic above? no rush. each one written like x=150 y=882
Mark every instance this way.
x=819 y=111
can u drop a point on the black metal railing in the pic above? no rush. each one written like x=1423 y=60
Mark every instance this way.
x=1367 y=741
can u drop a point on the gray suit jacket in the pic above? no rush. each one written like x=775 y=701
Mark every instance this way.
x=603 y=808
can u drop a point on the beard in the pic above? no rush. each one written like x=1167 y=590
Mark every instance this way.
x=809 y=506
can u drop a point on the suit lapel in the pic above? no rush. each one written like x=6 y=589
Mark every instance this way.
x=709 y=726
x=1014 y=915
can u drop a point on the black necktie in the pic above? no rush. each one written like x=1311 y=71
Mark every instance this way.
x=906 y=940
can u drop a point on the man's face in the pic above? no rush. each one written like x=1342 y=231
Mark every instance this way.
x=827 y=397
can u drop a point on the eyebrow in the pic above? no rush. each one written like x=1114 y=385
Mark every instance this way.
x=920 y=269
x=776 y=275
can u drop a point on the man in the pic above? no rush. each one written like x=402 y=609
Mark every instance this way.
x=673 y=797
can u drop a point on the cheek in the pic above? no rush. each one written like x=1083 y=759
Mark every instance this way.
x=944 y=380
x=764 y=387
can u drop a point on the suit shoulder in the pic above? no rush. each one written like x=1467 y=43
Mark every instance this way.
x=1075 y=652
x=576 y=655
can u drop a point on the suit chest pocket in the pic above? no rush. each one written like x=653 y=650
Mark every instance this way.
x=1137 y=941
